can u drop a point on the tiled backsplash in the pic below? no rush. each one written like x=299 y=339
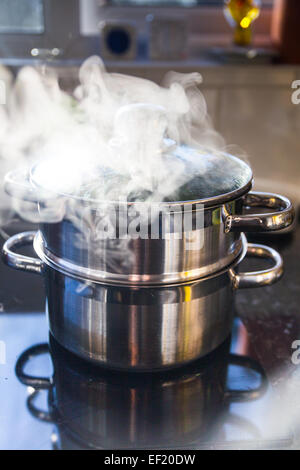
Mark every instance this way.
x=254 y=110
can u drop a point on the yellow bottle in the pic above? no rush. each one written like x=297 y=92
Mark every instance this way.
x=240 y=14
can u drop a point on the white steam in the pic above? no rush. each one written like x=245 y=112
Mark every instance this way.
x=113 y=137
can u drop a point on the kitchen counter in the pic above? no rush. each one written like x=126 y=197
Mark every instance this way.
x=221 y=401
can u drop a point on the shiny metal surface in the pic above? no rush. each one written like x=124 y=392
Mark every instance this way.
x=155 y=262
x=18 y=261
x=72 y=240
x=175 y=408
x=162 y=261
x=282 y=218
x=262 y=278
x=140 y=261
x=151 y=327
x=139 y=329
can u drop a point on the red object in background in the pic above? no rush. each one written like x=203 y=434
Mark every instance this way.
x=285 y=30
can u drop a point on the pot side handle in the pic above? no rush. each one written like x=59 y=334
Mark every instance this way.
x=265 y=277
x=17 y=261
x=282 y=217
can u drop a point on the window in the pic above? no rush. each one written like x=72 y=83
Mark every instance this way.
x=18 y=16
x=40 y=29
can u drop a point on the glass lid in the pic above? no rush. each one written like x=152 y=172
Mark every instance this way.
x=183 y=175
x=210 y=175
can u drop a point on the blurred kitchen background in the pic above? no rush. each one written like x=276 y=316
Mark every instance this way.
x=248 y=87
x=251 y=83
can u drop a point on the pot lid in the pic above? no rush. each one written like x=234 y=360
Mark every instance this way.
x=211 y=176
x=184 y=175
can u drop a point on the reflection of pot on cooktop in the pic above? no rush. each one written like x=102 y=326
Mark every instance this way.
x=98 y=408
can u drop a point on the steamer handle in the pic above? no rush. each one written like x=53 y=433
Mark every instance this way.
x=265 y=277
x=17 y=261
x=282 y=217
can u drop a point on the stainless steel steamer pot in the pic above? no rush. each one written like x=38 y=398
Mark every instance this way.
x=140 y=328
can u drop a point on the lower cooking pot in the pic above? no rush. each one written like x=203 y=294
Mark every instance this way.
x=141 y=328
x=97 y=408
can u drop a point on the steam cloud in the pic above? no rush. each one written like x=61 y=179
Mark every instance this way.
x=111 y=138
x=114 y=138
